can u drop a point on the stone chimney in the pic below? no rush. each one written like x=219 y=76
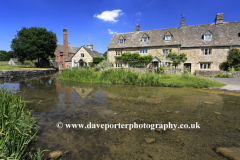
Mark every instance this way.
x=183 y=22
x=90 y=46
x=219 y=18
x=68 y=44
x=137 y=28
x=65 y=43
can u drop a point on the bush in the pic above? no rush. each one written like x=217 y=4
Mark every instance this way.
x=91 y=64
x=139 y=66
x=160 y=70
x=237 y=69
x=86 y=67
x=223 y=76
x=105 y=64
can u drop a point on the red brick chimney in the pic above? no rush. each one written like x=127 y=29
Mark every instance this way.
x=65 y=47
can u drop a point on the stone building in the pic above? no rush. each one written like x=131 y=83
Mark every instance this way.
x=13 y=61
x=207 y=45
x=70 y=56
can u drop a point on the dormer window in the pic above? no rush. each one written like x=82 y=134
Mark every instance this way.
x=168 y=36
x=82 y=54
x=207 y=36
x=121 y=40
x=145 y=37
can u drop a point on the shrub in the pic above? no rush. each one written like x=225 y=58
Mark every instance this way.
x=91 y=64
x=237 y=69
x=86 y=67
x=105 y=64
x=139 y=66
x=223 y=76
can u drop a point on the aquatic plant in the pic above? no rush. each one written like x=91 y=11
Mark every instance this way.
x=122 y=76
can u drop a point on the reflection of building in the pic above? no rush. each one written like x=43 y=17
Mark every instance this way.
x=85 y=92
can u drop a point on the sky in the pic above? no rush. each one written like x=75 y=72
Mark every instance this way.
x=95 y=21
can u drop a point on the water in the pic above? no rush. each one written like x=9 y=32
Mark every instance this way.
x=55 y=101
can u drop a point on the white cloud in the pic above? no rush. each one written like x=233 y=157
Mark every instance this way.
x=109 y=15
x=139 y=13
x=110 y=32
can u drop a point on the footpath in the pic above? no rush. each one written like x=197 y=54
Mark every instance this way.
x=233 y=84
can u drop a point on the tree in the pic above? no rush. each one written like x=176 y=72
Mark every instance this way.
x=233 y=59
x=32 y=43
x=177 y=59
x=105 y=55
x=6 y=56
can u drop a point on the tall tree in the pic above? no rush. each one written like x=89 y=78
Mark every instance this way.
x=32 y=43
x=177 y=59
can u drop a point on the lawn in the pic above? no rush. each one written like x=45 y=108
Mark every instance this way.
x=4 y=66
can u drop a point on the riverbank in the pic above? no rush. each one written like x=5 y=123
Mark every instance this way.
x=121 y=76
x=233 y=84
x=25 y=73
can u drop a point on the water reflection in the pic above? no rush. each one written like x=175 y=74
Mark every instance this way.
x=75 y=103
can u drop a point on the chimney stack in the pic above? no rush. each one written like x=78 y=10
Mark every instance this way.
x=90 y=46
x=183 y=22
x=137 y=28
x=219 y=18
x=65 y=43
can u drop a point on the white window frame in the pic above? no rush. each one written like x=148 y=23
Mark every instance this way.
x=207 y=37
x=82 y=54
x=121 y=41
x=206 y=52
x=166 y=51
x=118 y=65
x=205 y=65
x=144 y=39
x=118 y=53
x=144 y=50
x=168 y=38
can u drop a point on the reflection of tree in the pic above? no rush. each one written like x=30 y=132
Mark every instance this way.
x=41 y=93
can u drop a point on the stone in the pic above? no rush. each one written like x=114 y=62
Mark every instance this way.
x=230 y=153
x=208 y=102
x=54 y=154
x=150 y=140
x=176 y=111
x=217 y=112
x=168 y=111
x=238 y=129
x=159 y=130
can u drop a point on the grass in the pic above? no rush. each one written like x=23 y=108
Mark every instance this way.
x=120 y=76
x=4 y=66
x=223 y=76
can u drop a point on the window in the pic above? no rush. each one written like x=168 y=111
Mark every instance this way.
x=239 y=34
x=143 y=50
x=166 y=51
x=144 y=39
x=82 y=54
x=88 y=63
x=118 y=53
x=62 y=65
x=129 y=65
x=206 y=51
x=168 y=38
x=207 y=37
x=120 y=40
x=205 y=65
x=118 y=65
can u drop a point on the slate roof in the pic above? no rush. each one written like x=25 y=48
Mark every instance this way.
x=71 y=49
x=225 y=34
x=69 y=59
x=15 y=60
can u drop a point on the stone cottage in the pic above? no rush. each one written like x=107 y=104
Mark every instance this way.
x=70 y=56
x=13 y=61
x=207 y=45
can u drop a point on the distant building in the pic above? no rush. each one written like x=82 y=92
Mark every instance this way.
x=13 y=61
x=70 y=56
x=207 y=45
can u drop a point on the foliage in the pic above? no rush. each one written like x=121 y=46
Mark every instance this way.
x=237 y=69
x=233 y=60
x=91 y=64
x=105 y=55
x=223 y=76
x=231 y=69
x=86 y=67
x=139 y=66
x=32 y=43
x=177 y=59
x=160 y=70
x=6 y=56
x=105 y=64
x=134 y=58
x=18 y=127
x=4 y=66
x=97 y=60
x=120 y=76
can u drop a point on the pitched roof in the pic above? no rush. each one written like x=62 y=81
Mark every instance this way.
x=69 y=59
x=71 y=49
x=188 y=36
x=15 y=60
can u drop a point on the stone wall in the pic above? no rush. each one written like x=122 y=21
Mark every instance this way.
x=24 y=73
x=234 y=74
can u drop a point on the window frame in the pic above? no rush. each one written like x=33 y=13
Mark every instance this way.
x=207 y=37
x=205 y=65
x=206 y=52
x=82 y=54
x=143 y=50
x=120 y=41
x=168 y=51
x=168 y=39
x=144 y=39
x=118 y=53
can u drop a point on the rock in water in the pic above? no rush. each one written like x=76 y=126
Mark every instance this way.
x=54 y=154
x=150 y=140
x=230 y=153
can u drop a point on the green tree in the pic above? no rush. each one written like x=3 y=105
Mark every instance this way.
x=6 y=56
x=177 y=59
x=233 y=59
x=105 y=55
x=32 y=43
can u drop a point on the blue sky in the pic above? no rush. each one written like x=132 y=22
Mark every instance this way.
x=95 y=21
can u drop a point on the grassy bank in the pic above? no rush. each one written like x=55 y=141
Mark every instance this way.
x=120 y=76
x=4 y=66
x=17 y=127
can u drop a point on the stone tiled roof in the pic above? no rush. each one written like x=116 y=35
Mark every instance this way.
x=69 y=59
x=15 y=60
x=225 y=34
x=71 y=49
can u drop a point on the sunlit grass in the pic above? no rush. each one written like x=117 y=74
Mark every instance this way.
x=4 y=66
x=121 y=76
